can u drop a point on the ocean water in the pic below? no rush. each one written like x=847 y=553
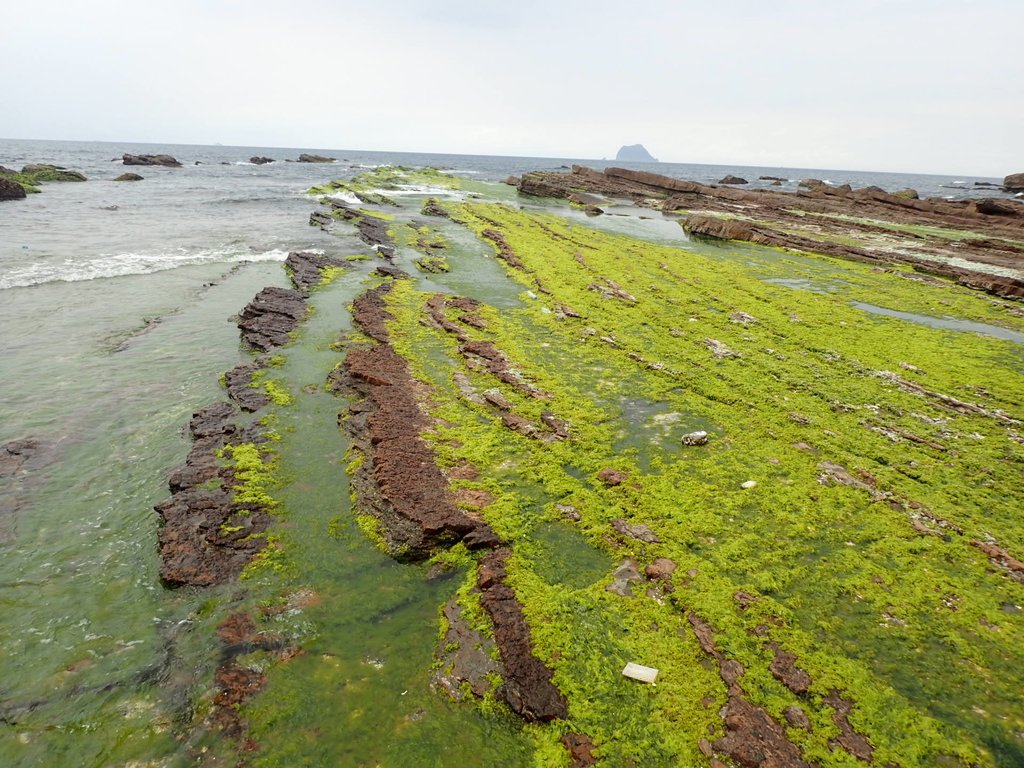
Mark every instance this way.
x=115 y=323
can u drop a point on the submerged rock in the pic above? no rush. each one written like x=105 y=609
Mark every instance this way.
x=730 y=179
x=305 y=158
x=129 y=177
x=257 y=160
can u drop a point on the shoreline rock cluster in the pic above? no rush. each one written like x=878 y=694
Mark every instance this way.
x=821 y=219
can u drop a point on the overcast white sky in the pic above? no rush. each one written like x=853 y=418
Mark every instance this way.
x=900 y=85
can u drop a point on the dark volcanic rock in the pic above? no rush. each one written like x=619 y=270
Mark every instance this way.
x=528 y=689
x=238 y=382
x=304 y=158
x=611 y=477
x=307 y=269
x=267 y=320
x=129 y=177
x=581 y=750
x=164 y=160
x=256 y=160
x=11 y=190
x=849 y=739
x=997 y=208
x=1014 y=182
x=373 y=230
x=730 y=179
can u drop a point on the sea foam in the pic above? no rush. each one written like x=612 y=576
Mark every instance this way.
x=122 y=264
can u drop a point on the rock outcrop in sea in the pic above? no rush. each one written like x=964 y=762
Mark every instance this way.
x=634 y=153
x=165 y=160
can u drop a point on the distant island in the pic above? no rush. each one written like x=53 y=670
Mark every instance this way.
x=635 y=153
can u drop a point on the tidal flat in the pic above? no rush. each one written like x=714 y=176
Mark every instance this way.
x=827 y=578
x=618 y=444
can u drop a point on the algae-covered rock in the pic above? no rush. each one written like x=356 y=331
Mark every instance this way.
x=129 y=177
x=45 y=172
x=907 y=194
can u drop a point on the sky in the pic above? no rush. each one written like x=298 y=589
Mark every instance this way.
x=925 y=86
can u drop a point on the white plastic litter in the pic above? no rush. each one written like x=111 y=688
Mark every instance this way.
x=749 y=484
x=640 y=672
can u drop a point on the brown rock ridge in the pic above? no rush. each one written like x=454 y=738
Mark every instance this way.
x=528 y=689
x=399 y=482
x=206 y=537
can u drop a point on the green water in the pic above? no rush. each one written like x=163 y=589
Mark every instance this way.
x=95 y=656
x=360 y=694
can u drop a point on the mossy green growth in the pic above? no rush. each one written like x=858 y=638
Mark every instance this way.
x=275 y=390
x=43 y=173
x=253 y=467
x=432 y=264
x=853 y=571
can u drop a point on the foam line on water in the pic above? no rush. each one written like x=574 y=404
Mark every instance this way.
x=122 y=264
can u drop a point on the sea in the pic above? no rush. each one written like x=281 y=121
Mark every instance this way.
x=116 y=301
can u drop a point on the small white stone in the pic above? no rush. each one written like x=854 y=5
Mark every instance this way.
x=749 y=484
x=640 y=672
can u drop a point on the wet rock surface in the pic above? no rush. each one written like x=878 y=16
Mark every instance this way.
x=399 y=482
x=848 y=739
x=271 y=316
x=11 y=190
x=206 y=537
x=309 y=158
x=372 y=230
x=528 y=689
x=239 y=385
x=307 y=269
x=464 y=657
x=165 y=160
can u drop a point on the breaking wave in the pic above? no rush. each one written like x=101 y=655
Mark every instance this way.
x=122 y=264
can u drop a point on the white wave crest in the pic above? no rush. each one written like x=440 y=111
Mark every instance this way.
x=122 y=264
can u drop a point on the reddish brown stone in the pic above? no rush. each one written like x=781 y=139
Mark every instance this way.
x=528 y=688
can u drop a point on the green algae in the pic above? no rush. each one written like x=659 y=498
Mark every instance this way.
x=911 y=627
x=806 y=374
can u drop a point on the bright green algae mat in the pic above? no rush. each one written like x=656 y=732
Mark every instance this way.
x=876 y=588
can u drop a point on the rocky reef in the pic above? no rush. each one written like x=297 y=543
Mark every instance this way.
x=973 y=242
